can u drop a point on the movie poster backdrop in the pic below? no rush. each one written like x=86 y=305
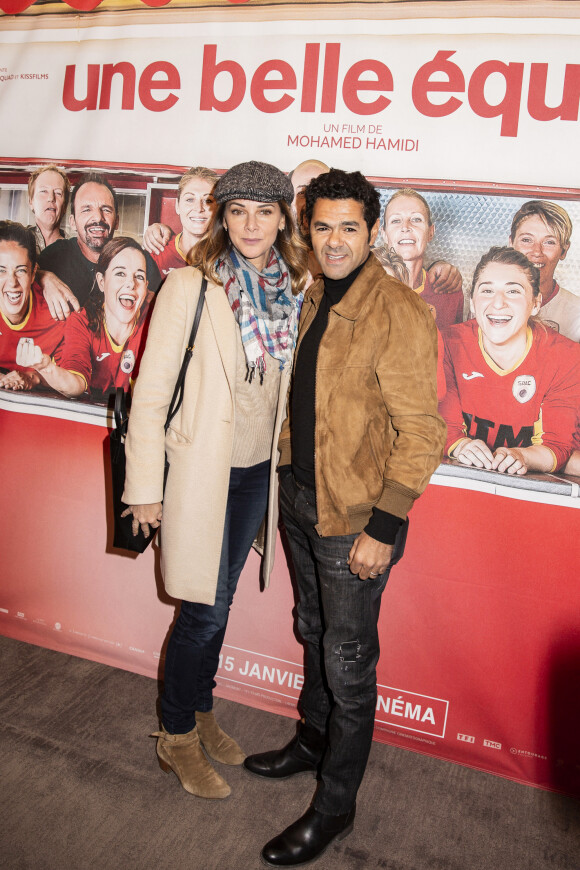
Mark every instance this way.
x=479 y=644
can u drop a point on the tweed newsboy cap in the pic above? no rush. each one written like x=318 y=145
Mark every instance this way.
x=260 y=182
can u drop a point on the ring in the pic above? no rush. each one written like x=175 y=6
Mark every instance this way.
x=372 y=574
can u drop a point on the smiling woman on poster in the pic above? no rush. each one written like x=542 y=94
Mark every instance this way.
x=102 y=342
x=220 y=444
x=194 y=206
x=407 y=229
x=513 y=384
x=25 y=319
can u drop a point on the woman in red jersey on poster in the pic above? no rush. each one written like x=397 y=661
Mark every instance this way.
x=25 y=318
x=407 y=230
x=194 y=206
x=513 y=384
x=102 y=342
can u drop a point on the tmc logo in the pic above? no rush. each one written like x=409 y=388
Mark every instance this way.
x=467 y=738
x=492 y=744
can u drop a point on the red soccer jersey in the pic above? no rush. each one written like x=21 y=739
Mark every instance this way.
x=447 y=308
x=38 y=325
x=536 y=402
x=101 y=363
x=171 y=257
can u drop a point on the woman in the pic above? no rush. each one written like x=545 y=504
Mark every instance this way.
x=220 y=444
x=25 y=319
x=407 y=229
x=103 y=341
x=513 y=384
x=195 y=206
x=542 y=230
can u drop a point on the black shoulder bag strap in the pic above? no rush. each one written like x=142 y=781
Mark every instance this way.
x=177 y=397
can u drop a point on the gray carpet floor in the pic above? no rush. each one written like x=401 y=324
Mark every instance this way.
x=81 y=790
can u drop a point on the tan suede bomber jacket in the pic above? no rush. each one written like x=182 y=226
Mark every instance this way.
x=378 y=434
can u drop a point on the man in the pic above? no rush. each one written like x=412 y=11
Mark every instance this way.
x=94 y=218
x=301 y=178
x=541 y=230
x=362 y=439
x=48 y=195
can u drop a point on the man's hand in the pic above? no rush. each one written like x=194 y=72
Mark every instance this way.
x=156 y=237
x=144 y=515
x=59 y=297
x=19 y=381
x=368 y=557
x=445 y=278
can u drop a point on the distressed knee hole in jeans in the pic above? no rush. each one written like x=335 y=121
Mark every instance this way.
x=349 y=651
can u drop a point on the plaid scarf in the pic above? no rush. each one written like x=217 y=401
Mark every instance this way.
x=264 y=307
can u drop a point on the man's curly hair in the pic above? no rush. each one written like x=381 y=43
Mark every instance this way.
x=338 y=184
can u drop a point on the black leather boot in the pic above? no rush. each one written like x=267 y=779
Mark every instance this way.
x=303 y=753
x=307 y=838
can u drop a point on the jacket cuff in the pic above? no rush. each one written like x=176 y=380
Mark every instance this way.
x=396 y=499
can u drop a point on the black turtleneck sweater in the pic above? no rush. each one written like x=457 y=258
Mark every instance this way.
x=382 y=526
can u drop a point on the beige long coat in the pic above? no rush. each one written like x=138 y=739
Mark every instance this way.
x=199 y=441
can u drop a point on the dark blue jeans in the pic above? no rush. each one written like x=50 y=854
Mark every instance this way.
x=195 y=643
x=337 y=620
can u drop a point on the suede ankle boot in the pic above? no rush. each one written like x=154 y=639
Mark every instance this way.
x=182 y=753
x=216 y=742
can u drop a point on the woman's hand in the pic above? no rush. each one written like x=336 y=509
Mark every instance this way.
x=19 y=380
x=474 y=452
x=30 y=355
x=148 y=516
x=519 y=460
x=511 y=460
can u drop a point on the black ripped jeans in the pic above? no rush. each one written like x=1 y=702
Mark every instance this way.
x=337 y=620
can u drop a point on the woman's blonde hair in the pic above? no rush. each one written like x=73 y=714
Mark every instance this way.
x=196 y=172
x=408 y=191
x=216 y=243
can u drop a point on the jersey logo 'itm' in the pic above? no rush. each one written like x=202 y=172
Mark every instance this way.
x=481 y=429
